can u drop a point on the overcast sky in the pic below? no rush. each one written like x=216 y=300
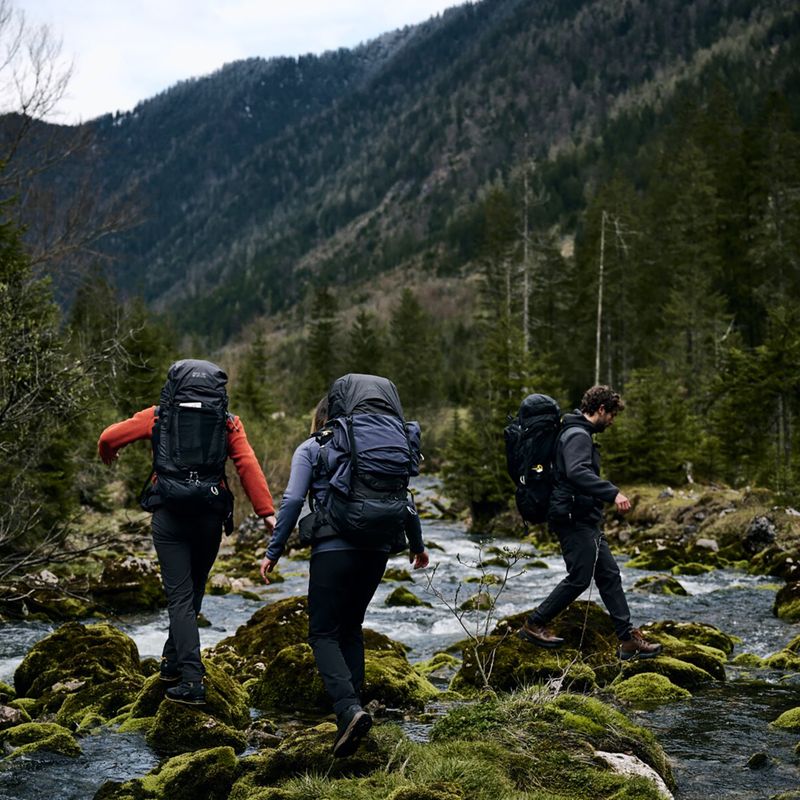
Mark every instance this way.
x=124 y=51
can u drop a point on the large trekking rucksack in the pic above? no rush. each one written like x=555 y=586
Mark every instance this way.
x=368 y=453
x=190 y=442
x=531 y=439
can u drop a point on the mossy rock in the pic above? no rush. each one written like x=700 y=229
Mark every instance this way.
x=537 y=563
x=648 y=689
x=95 y=705
x=515 y=664
x=130 y=584
x=401 y=596
x=397 y=574
x=309 y=751
x=482 y=601
x=93 y=654
x=179 y=728
x=787 y=603
x=748 y=660
x=393 y=682
x=707 y=658
x=33 y=736
x=226 y=700
x=438 y=666
x=6 y=692
x=207 y=774
x=382 y=643
x=789 y=720
x=691 y=568
x=11 y=716
x=695 y=633
x=680 y=673
x=787 y=659
x=660 y=584
x=582 y=625
x=290 y=682
x=663 y=558
x=484 y=580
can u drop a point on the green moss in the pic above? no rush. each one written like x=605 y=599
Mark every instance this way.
x=180 y=729
x=787 y=602
x=484 y=580
x=537 y=564
x=94 y=705
x=397 y=574
x=401 y=596
x=660 y=559
x=393 y=682
x=92 y=654
x=789 y=720
x=680 y=673
x=700 y=633
x=692 y=568
x=290 y=682
x=6 y=692
x=482 y=601
x=207 y=774
x=660 y=584
x=784 y=660
x=440 y=661
x=136 y=724
x=648 y=689
x=130 y=584
x=709 y=659
x=11 y=716
x=749 y=660
x=33 y=736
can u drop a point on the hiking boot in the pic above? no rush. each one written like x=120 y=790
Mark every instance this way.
x=168 y=671
x=539 y=635
x=352 y=725
x=190 y=693
x=638 y=647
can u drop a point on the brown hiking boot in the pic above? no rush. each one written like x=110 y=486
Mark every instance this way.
x=538 y=635
x=638 y=647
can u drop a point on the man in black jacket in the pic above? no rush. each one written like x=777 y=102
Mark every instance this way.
x=575 y=515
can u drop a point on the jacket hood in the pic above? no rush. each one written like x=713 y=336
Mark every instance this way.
x=576 y=419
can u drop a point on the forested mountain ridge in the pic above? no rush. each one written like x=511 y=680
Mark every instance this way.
x=252 y=179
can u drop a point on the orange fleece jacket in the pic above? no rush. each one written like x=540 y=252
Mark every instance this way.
x=140 y=426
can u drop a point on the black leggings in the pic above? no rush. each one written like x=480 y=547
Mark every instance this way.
x=340 y=585
x=186 y=547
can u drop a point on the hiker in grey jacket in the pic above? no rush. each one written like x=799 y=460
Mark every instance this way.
x=575 y=515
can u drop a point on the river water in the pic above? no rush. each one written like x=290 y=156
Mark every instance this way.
x=709 y=737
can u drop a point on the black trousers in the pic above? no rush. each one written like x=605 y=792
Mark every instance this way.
x=586 y=554
x=186 y=547
x=340 y=585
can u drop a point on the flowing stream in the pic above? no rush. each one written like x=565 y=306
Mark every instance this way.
x=709 y=738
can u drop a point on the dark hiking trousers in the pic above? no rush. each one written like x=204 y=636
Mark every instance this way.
x=340 y=585
x=186 y=547
x=586 y=552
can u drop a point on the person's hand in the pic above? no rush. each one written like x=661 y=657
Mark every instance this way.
x=108 y=457
x=622 y=503
x=419 y=560
x=269 y=523
x=267 y=565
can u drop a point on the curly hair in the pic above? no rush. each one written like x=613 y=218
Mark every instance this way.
x=602 y=396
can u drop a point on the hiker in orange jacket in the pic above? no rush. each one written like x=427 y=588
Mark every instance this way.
x=193 y=436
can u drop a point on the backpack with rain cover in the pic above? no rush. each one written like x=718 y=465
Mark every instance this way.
x=190 y=443
x=369 y=453
x=530 y=454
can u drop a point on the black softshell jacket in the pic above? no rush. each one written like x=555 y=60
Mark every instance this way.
x=578 y=490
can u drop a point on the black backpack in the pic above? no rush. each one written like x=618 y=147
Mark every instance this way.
x=190 y=442
x=531 y=439
x=368 y=452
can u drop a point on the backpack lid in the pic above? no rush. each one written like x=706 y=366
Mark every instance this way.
x=537 y=405
x=193 y=376
x=363 y=394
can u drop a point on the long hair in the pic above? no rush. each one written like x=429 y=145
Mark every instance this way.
x=320 y=415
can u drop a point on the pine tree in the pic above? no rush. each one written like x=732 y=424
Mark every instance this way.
x=321 y=347
x=365 y=350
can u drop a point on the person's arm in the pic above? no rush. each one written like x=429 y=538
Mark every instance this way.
x=417 y=555
x=579 y=471
x=116 y=436
x=249 y=471
x=300 y=479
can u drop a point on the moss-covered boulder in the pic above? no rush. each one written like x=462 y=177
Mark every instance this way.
x=92 y=705
x=787 y=602
x=583 y=625
x=6 y=692
x=482 y=601
x=440 y=666
x=181 y=729
x=10 y=716
x=402 y=596
x=509 y=663
x=397 y=574
x=680 y=673
x=207 y=774
x=130 y=584
x=382 y=643
x=292 y=682
x=226 y=700
x=648 y=689
x=661 y=558
x=789 y=720
x=33 y=736
x=660 y=584
x=691 y=568
x=682 y=641
x=309 y=751
x=76 y=656
x=787 y=659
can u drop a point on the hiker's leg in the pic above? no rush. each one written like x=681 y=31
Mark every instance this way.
x=609 y=584
x=365 y=579
x=172 y=539
x=205 y=546
x=579 y=551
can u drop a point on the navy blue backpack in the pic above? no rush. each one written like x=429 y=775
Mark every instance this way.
x=369 y=453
